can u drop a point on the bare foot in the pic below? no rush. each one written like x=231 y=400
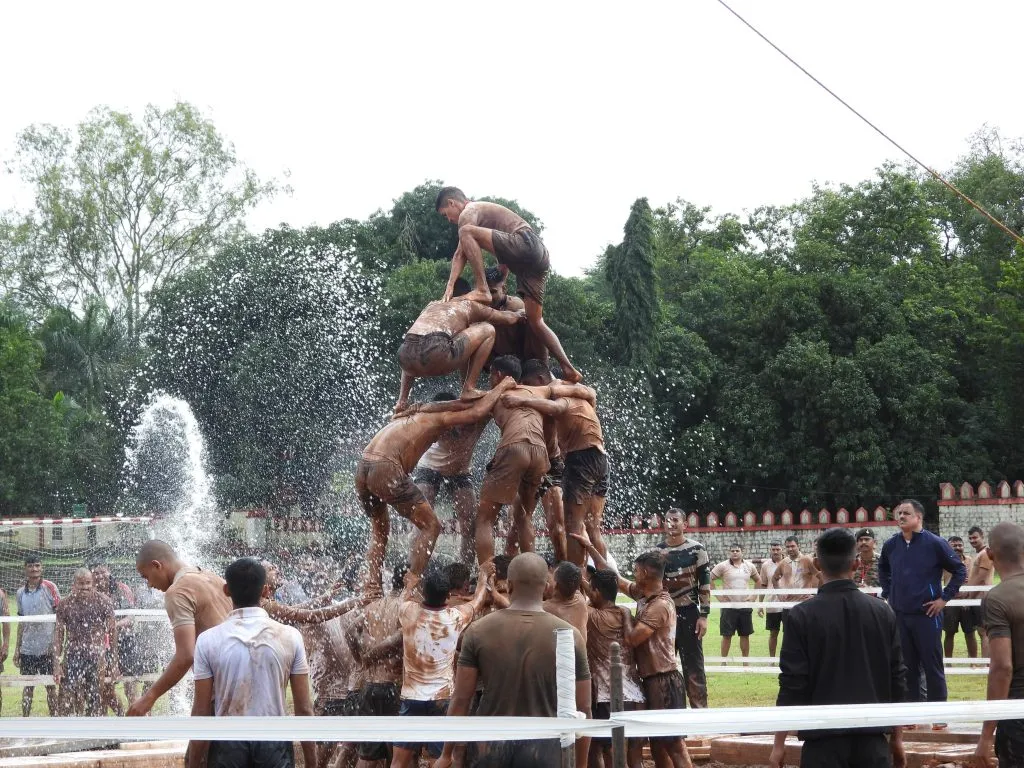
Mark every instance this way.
x=483 y=296
x=471 y=394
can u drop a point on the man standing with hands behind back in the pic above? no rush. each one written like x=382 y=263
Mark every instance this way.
x=910 y=570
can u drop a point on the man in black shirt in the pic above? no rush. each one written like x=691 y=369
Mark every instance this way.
x=841 y=647
x=688 y=581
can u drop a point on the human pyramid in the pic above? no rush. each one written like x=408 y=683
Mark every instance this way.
x=551 y=441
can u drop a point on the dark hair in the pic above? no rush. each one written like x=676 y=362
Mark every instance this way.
x=461 y=287
x=653 y=560
x=793 y=538
x=674 y=511
x=33 y=559
x=458 y=575
x=835 y=549
x=736 y=545
x=436 y=587
x=951 y=539
x=398 y=575
x=551 y=560
x=536 y=368
x=509 y=365
x=606 y=584
x=493 y=276
x=567 y=578
x=775 y=543
x=556 y=371
x=915 y=504
x=501 y=563
x=865 y=532
x=448 y=193
x=246 y=579
x=443 y=397
x=974 y=529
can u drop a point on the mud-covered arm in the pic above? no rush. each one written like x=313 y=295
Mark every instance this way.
x=552 y=408
x=574 y=390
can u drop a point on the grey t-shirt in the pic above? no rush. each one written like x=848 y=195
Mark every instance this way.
x=37 y=637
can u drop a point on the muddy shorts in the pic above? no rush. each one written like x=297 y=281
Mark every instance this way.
x=526 y=256
x=737 y=621
x=540 y=753
x=586 y=474
x=665 y=691
x=378 y=700
x=332 y=707
x=515 y=466
x=242 y=754
x=36 y=665
x=1010 y=742
x=437 y=481
x=414 y=708
x=553 y=479
x=384 y=481
x=426 y=355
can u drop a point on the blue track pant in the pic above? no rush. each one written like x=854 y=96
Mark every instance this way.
x=921 y=638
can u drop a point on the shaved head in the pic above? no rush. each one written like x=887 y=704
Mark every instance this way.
x=1006 y=541
x=154 y=549
x=528 y=573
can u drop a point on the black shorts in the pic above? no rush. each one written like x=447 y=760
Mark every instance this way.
x=665 y=691
x=36 y=665
x=537 y=753
x=332 y=707
x=241 y=754
x=437 y=481
x=414 y=708
x=586 y=474
x=1009 y=742
x=433 y=352
x=959 y=617
x=130 y=658
x=773 y=622
x=378 y=700
x=527 y=258
x=602 y=710
x=553 y=479
x=737 y=620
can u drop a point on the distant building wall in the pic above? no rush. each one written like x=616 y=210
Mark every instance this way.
x=964 y=506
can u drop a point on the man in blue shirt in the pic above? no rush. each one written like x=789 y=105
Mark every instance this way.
x=910 y=571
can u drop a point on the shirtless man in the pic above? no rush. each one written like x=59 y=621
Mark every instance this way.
x=497 y=230
x=85 y=620
x=316 y=611
x=585 y=479
x=371 y=642
x=450 y=335
x=978 y=575
x=382 y=477
x=519 y=463
x=446 y=466
x=797 y=571
x=566 y=601
x=508 y=339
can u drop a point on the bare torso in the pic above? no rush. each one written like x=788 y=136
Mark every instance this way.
x=492 y=216
x=405 y=439
x=521 y=425
x=381 y=623
x=579 y=427
x=452 y=453
x=449 y=317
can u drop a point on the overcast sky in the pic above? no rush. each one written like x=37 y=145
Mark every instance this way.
x=574 y=109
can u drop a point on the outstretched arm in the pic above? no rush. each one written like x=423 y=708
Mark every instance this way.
x=626 y=586
x=481 y=407
x=551 y=408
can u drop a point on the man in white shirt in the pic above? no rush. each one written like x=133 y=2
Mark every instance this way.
x=736 y=573
x=773 y=620
x=242 y=667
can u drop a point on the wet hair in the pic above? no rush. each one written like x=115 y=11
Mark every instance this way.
x=974 y=530
x=653 y=561
x=501 y=566
x=793 y=538
x=398 y=575
x=675 y=511
x=606 y=584
x=449 y=193
x=458 y=576
x=951 y=539
x=33 y=560
x=536 y=369
x=567 y=578
x=556 y=371
x=916 y=505
x=461 y=287
x=442 y=397
x=836 y=549
x=865 y=532
x=436 y=587
x=551 y=561
x=493 y=276
x=246 y=578
x=509 y=365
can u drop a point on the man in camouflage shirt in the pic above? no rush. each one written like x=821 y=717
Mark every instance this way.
x=688 y=581
x=865 y=567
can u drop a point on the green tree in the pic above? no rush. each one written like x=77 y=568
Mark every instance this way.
x=122 y=205
x=630 y=273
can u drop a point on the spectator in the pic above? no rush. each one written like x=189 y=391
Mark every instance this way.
x=1003 y=616
x=121 y=596
x=841 y=647
x=430 y=635
x=797 y=571
x=83 y=628
x=688 y=581
x=459 y=580
x=513 y=653
x=917 y=558
x=956 y=617
x=33 y=650
x=773 y=619
x=865 y=573
x=566 y=601
x=245 y=664
x=194 y=600
x=979 y=575
x=736 y=573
